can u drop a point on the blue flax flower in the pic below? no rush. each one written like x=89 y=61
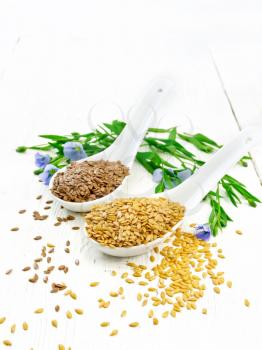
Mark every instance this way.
x=41 y=160
x=74 y=151
x=48 y=172
x=203 y=232
x=184 y=174
x=157 y=175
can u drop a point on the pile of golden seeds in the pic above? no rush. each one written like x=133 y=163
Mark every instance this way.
x=132 y=221
x=176 y=276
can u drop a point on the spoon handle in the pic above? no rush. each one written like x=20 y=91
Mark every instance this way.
x=192 y=191
x=140 y=118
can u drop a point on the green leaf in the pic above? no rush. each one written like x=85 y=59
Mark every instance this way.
x=172 y=134
x=158 y=130
x=160 y=187
x=205 y=139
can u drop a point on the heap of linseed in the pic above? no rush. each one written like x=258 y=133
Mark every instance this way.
x=132 y=221
x=88 y=180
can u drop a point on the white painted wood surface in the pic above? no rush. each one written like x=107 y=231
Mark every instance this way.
x=58 y=71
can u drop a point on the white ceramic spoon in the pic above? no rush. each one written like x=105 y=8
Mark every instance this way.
x=193 y=190
x=127 y=143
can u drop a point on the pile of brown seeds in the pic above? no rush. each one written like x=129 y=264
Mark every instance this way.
x=132 y=221
x=89 y=180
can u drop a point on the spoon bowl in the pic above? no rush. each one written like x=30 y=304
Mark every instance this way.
x=126 y=145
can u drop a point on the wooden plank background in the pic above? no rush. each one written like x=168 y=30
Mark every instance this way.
x=60 y=83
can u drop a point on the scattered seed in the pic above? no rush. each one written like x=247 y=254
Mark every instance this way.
x=37 y=238
x=33 y=279
x=38 y=216
x=57 y=223
x=7 y=343
x=22 y=211
x=14 y=229
x=26 y=268
x=94 y=284
x=39 y=311
x=13 y=328
x=77 y=262
x=155 y=321
x=113 y=273
x=139 y=297
x=25 y=326
x=165 y=314
x=48 y=259
x=144 y=303
x=67 y=243
x=47 y=207
x=67 y=250
x=247 y=302
x=54 y=323
x=69 y=315
x=39 y=197
x=113 y=333
x=104 y=324
x=229 y=284
x=73 y=295
x=150 y=313
x=239 y=232
x=57 y=308
x=113 y=294
x=133 y=324
x=49 y=201
x=8 y=272
x=123 y=313
x=204 y=311
x=217 y=290
x=79 y=311
x=75 y=228
x=36 y=266
x=129 y=280
x=61 y=347
x=152 y=258
x=45 y=279
x=2 y=320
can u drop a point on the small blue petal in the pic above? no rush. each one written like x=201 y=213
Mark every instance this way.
x=41 y=160
x=48 y=172
x=157 y=175
x=74 y=151
x=203 y=232
x=184 y=174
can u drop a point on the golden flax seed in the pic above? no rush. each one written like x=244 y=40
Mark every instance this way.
x=247 y=302
x=104 y=324
x=69 y=315
x=79 y=311
x=7 y=342
x=133 y=324
x=113 y=333
x=123 y=313
x=229 y=284
x=93 y=284
x=25 y=326
x=54 y=323
x=39 y=311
